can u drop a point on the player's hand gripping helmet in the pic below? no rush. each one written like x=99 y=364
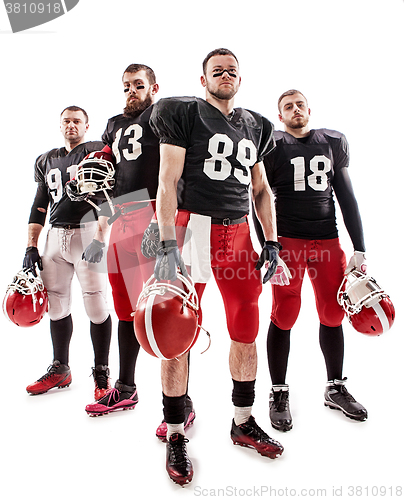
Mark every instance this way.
x=368 y=307
x=26 y=299
x=94 y=178
x=166 y=317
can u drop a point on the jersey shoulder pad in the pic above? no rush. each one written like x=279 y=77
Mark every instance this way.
x=170 y=119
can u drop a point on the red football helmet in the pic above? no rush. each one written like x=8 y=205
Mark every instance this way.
x=368 y=307
x=166 y=317
x=26 y=299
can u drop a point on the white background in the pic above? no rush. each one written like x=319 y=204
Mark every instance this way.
x=346 y=57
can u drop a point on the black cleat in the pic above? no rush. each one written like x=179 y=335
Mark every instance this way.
x=338 y=398
x=251 y=435
x=178 y=465
x=279 y=411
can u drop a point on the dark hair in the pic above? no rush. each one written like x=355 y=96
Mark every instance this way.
x=134 y=68
x=76 y=108
x=217 y=52
x=289 y=92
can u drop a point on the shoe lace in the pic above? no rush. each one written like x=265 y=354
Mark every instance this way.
x=113 y=394
x=50 y=371
x=255 y=431
x=348 y=396
x=178 y=449
x=101 y=378
x=281 y=401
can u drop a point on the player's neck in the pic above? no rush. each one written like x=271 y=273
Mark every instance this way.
x=299 y=133
x=69 y=145
x=224 y=106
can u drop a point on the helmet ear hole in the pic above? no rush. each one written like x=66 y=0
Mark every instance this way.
x=166 y=317
x=369 y=309
x=26 y=299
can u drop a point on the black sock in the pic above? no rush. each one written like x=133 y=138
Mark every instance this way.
x=278 y=346
x=101 y=339
x=128 y=352
x=243 y=393
x=332 y=346
x=61 y=334
x=174 y=409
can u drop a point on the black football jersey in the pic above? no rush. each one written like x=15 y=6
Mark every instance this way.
x=300 y=173
x=136 y=151
x=221 y=151
x=52 y=170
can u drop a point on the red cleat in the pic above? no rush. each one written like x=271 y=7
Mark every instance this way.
x=58 y=375
x=101 y=380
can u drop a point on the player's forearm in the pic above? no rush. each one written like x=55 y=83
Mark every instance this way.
x=166 y=206
x=34 y=230
x=265 y=209
x=103 y=228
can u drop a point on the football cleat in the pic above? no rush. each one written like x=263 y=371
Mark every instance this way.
x=178 y=465
x=101 y=381
x=279 y=412
x=338 y=398
x=251 y=435
x=58 y=375
x=161 y=431
x=121 y=397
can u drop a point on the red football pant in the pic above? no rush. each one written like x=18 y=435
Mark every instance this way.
x=325 y=263
x=128 y=269
x=233 y=261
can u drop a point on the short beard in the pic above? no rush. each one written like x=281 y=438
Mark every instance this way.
x=135 y=108
x=225 y=95
x=301 y=123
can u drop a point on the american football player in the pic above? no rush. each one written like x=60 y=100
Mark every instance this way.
x=217 y=151
x=305 y=170
x=136 y=151
x=67 y=238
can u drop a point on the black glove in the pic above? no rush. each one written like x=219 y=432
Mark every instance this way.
x=150 y=240
x=31 y=258
x=168 y=259
x=269 y=254
x=94 y=252
x=73 y=193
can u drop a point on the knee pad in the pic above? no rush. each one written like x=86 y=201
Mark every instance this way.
x=96 y=306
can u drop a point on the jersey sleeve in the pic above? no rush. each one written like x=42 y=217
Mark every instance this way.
x=267 y=141
x=169 y=120
x=340 y=149
x=107 y=135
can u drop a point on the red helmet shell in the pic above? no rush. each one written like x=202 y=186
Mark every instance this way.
x=376 y=319
x=25 y=310
x=166 y=318
x=369 y=309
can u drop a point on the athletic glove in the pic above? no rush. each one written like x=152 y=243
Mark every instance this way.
x=32 y=259
x=282 y=274
x=94 y=252
x=73 y=192
x=357 y=261
x=150 y=240
x=168 y=259
x=269 y=257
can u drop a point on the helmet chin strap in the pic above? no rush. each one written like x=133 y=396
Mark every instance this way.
x=111 y=205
